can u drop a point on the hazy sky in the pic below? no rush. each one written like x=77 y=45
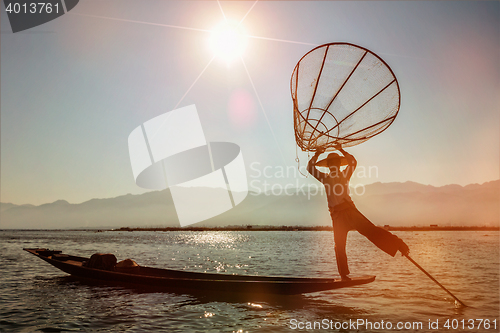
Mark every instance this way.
x=73 y=89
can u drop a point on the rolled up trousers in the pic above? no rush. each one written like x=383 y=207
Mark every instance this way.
x=346 y=217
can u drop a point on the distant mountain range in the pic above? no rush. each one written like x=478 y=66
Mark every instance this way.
x=395 y=204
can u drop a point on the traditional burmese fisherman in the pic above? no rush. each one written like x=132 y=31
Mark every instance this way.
x=345 y=216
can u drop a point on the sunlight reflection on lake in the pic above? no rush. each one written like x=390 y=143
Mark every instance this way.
x=219 y=239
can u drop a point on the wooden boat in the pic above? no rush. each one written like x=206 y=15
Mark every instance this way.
x=183 y=281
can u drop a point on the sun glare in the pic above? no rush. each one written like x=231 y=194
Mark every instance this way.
x=228 y=41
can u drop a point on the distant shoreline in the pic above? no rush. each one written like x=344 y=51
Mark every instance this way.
x=304 y=228
x=268 y=228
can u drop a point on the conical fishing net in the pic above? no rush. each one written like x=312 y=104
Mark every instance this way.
x=342 y=94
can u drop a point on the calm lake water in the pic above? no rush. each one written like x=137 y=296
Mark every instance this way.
x=36 y=297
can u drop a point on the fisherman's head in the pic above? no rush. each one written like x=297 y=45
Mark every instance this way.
x=334 y=161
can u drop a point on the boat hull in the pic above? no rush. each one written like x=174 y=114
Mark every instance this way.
x=182 y=281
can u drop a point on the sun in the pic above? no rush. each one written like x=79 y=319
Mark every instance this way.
x=228 y=41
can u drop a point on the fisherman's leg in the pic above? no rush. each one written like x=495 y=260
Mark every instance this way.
x=383 y=239
x=340 y=237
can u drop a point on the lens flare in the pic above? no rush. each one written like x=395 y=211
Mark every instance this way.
x=242 y=109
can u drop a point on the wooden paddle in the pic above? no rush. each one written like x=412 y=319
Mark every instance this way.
x=433 y=279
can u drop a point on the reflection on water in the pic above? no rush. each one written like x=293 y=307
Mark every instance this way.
x=219 y=239
x=37 y=297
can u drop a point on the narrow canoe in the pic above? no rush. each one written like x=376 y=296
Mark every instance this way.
x=184 y=281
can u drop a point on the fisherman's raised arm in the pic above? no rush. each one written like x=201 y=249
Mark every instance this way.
x=311 y=166
x=351 y=161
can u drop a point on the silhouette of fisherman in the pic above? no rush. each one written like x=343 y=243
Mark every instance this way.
x=345 y=216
